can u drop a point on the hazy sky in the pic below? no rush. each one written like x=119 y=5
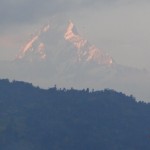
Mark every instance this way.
x=120 y=27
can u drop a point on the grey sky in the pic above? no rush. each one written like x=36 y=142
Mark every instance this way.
x=120 y=27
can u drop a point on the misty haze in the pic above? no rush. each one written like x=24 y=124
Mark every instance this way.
x=58 y=54
x=74 y=75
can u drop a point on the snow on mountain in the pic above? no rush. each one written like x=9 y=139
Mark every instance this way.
x=34 y=45
x=58 y=54
x=84 y=50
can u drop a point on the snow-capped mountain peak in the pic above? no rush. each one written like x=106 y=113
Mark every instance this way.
x=85 y=50
x=37 y=48
x=72 y=61
x=72 y=35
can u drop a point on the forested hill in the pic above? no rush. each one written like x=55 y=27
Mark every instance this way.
x=36 y=119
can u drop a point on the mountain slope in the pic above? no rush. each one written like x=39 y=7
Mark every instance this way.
x=58 y=54
x=83 y=49
x=35 y=119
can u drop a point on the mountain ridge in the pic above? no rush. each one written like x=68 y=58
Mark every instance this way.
x=33 y=119
x=58 y=54
x=85 y=51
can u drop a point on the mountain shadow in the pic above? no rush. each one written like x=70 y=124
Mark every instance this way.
x=58 y=119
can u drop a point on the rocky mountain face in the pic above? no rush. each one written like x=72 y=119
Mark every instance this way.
x=58 y=54
x=39 y=47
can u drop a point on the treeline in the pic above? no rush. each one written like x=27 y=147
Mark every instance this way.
x=59 y=119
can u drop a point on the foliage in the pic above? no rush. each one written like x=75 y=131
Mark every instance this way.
x=36 y=119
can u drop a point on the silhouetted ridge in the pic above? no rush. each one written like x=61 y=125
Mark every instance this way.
x=59 y=119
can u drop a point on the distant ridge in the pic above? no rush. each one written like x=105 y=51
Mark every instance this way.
x=37 y=48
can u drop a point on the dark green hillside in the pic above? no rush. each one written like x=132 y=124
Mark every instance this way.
x=35 y=119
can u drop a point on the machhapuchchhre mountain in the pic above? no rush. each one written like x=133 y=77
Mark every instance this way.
x=57 y=54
